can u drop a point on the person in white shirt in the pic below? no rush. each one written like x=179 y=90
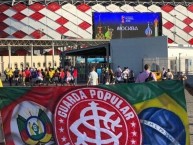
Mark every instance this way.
x=93 y=77
x=125 y=74
x=118 y=74
x=169 y=75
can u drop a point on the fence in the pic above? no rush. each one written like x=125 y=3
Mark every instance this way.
x=175 y=64
x=84 y=70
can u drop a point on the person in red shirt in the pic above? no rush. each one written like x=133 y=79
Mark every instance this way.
x=27 y=75
x=62 y=76
x=75 y=75
x=23 y=77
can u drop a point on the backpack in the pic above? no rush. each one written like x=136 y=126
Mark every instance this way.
x=131 y=74
x=34 y=74
x=119 y=73
x=16 y=72
x=149 y=78
x=165 y=74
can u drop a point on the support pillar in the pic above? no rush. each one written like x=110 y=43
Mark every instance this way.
x=53 y=54
x=107 y=56
x=32 y=53
x=62 y=60
x=86 y=68
x=9 y=51
x=180 y=62
x=74 y=60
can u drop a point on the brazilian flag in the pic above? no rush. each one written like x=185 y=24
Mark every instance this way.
x=161 y=108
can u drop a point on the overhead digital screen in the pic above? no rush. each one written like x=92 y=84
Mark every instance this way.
x=108 y=25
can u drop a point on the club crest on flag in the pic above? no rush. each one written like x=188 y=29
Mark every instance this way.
x=33 y=124
x=96 y=116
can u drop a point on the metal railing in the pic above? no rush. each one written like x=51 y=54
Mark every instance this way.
x=175 y=64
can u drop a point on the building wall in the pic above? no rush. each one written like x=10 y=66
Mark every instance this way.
x=40 y=21
x=184 y=56
x=25 y=60
x=51 y=21
x=131 y=52
x=180 y=51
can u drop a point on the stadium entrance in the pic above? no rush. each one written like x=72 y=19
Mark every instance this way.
x=39 y=53
x=98 y=55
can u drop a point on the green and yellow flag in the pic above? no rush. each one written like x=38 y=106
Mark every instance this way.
x=152 y=113
x=161 y=108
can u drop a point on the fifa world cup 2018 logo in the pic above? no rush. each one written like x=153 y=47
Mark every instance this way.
x=96 y=116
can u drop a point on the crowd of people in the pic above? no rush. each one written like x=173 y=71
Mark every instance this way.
x=126 y=75
x=69 y=75
x=110 y=77
x=38 y=76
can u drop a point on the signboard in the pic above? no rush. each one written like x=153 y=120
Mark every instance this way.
x=108 y=25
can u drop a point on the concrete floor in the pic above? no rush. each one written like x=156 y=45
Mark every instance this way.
x=189 y=101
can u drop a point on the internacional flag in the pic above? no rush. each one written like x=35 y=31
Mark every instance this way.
x=152 y=113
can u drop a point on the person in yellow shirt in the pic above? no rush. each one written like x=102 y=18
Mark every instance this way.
x=51 y=75
x=10 y=76
x=1 y=84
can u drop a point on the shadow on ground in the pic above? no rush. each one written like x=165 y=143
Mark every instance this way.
x=189 y=88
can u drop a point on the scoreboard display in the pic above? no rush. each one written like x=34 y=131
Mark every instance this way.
x=109 y=25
